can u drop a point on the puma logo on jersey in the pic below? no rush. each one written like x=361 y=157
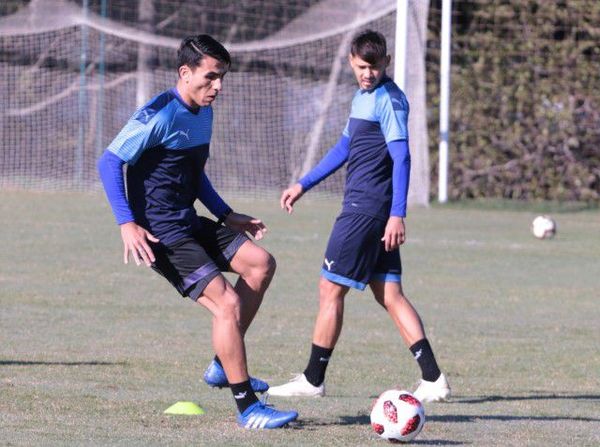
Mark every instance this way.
x=143 y=116
x=328 y=263
x=186 y=134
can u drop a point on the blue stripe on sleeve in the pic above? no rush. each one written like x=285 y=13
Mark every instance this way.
x=335 y=158
x=210 y=198
x=400 y=154
x=110 y=168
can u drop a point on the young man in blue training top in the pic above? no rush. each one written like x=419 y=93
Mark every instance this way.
x=364 y=245
x=165 y=145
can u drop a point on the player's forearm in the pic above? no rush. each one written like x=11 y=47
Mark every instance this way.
x=330 y=163
x=211 y=199
x=400 y=154
x=110 y=168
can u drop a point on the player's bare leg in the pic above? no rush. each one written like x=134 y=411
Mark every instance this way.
x=255 y=267
x=221 y=299
x=331 y=313
x=391 y=297
x=433 y=386
x=327 y=330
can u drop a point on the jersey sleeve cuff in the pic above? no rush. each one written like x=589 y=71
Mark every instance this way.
x=306 y=184
x=224 y=215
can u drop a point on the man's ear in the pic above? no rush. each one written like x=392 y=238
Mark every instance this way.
x=185 y=72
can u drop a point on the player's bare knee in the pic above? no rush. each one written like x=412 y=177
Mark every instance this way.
x=324 y=288
x=330 y=292
x=395 y=300
x=262 y=268
x=268 y=266
x=228 y=305
x=402 y=298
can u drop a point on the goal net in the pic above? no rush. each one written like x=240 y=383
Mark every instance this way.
x=71 y=79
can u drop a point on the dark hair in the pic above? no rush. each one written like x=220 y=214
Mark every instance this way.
x=369 y=45
x=194 y=48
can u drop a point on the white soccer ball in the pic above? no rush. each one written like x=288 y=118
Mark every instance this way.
x=543 y=227
x=397 y=415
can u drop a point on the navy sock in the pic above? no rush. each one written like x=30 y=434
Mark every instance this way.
x=319 y=359
x=423 y=354
x=218 y=360
x=243 y=395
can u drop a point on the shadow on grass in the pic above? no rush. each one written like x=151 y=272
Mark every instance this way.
x=364 y=419
x=46 y=363
x=437 y=442
x=504 y=418
x=484 y=399
x=361 y=419
x=532 y=397
x=305 y=423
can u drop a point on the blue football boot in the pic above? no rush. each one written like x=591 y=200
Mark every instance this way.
x=260 y=415
x=215 y=376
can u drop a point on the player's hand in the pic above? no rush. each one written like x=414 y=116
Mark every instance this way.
x=242 y=223
x=290 y=196
x=395 y=233
x=135 y=241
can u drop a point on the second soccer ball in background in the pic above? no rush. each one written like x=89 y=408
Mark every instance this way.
x=543 y=227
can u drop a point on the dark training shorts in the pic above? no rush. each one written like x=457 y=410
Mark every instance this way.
x=356 y=255
x=190 y=263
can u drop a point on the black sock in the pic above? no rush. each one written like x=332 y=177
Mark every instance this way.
x=243 y=395
x=319 y=359
x=423 y=354
x=218 y=360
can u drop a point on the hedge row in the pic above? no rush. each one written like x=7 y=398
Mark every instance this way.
x=525 y=113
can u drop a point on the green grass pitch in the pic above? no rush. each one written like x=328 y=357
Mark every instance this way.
x=92 y=351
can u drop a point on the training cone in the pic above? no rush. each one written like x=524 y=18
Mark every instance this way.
x=189 y=408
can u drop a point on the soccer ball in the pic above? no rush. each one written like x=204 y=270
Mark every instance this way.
x=397 y=415
x=543 y=227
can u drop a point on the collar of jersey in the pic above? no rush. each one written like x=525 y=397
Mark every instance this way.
x=383 y=81
x=193 y=110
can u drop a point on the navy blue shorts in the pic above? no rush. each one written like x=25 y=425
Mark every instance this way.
x=356 y=255
x=190 y=263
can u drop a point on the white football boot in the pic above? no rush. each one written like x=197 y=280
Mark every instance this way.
x=298 y=386
x=438 y=391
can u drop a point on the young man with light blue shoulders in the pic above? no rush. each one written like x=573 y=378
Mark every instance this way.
x=363 y=248
x=165 y=145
